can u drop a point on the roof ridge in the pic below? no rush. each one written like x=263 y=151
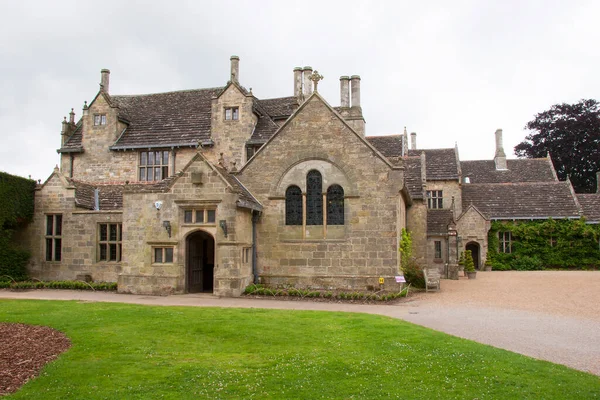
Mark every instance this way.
x=169 y=92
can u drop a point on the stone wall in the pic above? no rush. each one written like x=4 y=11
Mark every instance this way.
x=450 y=189
x=473 y=227
x=351 y=256
x=416 y=222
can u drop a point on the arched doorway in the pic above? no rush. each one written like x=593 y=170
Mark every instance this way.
x=200 y=262
x=474 y=247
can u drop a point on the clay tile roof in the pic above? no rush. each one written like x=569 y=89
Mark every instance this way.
x=279 y=108
x=521 y=200
x=412 y=177
x=442 y=164
x=180 y=118
x=522 y=170
x=590 y=204
x=73 y=144
x=438 y=221
x=389 y=146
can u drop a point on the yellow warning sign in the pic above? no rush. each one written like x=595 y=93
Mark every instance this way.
x=381 y=281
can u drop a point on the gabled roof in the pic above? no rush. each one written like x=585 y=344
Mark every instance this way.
x=438 y=221
x=73 y=144
x=521 y=170
x=525 y=200
x=279 y=108
x=265 y=127
x=441 y=165
x=590 y=205
x=180 y=118
x=389 y=146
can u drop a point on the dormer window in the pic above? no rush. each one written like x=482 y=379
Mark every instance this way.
x=154 y=165
x=99 y=119
x=232 y=113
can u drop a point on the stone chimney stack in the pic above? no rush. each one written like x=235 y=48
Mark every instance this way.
x=413 y=140
x=235 y=69
x=500 y=157
x=104 y=80
x=297 y=82
x=355 y=79
x=344 y=91
x=307 y=72
x=72 y=117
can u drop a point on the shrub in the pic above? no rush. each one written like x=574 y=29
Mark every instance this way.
x=526 y=263
x=468 y=260
x=413 y=273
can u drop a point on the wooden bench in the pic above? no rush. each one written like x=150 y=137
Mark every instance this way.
x=432 y=279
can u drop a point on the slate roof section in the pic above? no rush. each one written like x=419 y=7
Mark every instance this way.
x=438 y=221
x=521 y=170
x=246 y=199
x=389 y=146
x=279 y=108
x=265 y=127
x=441 y=165
x=412 y=177
x=590 y=205
x=180 y=118
x=73 y=144
x=525 y=200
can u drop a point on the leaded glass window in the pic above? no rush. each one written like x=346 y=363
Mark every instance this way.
x=335 y=205
x=293 y=206
x=314 y=198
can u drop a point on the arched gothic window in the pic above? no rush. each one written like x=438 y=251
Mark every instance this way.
x=293 y=206
x=314 y=198
x=335 y=205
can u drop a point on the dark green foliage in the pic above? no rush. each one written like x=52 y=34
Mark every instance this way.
x=571 y=133
x=16 y=209
x=72 y=285
x=261 y=290
x=468 y=261
x=413 y=272
x=546 y=244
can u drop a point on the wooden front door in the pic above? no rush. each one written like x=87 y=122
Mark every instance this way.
x=200 y=262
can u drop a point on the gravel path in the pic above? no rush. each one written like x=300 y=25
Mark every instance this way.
x=550 y=315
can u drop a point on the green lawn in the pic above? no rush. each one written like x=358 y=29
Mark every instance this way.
x=140 y=352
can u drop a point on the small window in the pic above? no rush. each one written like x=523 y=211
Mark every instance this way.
x=232 y=113
x=335 y=205
x=251 y=150
x=437 y=245
x=293 y=206
x=53 y=237
x=246 y=254
x=505 y=242
x=200 y=216
x=434 y=199
x=314 y=198
x=154 y=165
x=109 y=242
x=99 y=119
x=163 y=255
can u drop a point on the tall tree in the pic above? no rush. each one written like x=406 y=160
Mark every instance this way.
x=571 y=133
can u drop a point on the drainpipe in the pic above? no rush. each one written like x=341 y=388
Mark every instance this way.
x=255 y=217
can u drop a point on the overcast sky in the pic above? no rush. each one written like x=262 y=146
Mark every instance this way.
x=450 y=71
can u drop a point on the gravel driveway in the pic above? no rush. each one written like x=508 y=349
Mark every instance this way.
x=550 y=315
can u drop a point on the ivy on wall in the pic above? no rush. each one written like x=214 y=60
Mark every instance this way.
x=16 y=209
x=546 y=244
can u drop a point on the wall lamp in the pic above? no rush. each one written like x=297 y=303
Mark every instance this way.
x=223 y=225
x=167 y=226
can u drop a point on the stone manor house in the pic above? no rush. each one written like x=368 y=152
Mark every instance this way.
x=210 y=190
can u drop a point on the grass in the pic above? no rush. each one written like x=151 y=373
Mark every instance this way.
x=141 y=352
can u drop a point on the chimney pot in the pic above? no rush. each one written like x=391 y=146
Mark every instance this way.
x=344 y=91
x=235 y=69
x=413 y=140
x=104 y=80
x=355 y=79
x=307 y=72
x=72 y=116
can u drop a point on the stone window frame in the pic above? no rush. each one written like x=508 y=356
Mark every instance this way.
x=107 y=242
x=231 y=113
x=99 y=119
x=437 y=249
x=435 y=199
x=505 y=242
x=53 y=238
x=246 y=255
x=209 y=216
x=147 y=170
x=164 y=255
x=251 y=150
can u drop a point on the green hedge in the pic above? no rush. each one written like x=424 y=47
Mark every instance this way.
x=544 y=244
x=74 y=285
x=260 y=290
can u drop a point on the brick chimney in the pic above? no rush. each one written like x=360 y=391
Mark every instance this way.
x=355 y=80
x=500 y=157
x=104 y=80
x=235 y=69
x=307 y=71
x=298 y=82
x=345 y=91
x=413 y=140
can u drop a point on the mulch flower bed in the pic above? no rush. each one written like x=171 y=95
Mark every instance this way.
x=24 y=350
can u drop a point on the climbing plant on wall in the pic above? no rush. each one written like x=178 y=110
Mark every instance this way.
x=545 y=244
x=16 y=209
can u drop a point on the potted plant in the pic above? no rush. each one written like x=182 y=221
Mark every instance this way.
x=461 y=262
x=469 y=265
x=488 y=262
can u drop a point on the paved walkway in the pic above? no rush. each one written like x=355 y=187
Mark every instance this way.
x=549 y=315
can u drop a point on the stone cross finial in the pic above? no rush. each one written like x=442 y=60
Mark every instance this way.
x=315 y=77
